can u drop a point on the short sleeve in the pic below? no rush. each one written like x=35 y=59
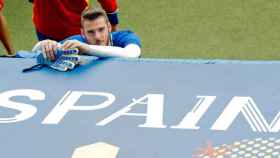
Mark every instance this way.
x=124 y=38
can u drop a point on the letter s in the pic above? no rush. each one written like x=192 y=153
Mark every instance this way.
x=26 y=110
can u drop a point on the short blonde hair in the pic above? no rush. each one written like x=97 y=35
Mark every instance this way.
x=93 y=14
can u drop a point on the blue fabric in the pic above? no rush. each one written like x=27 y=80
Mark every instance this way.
x=125 y=37
x=119 y=38
x=65 y=60
x=26 y=54
x=113 y=18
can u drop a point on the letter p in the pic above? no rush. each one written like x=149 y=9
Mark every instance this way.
x=68 y=101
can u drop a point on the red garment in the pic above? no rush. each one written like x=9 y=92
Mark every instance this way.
x=109 y=6
x=60 y=19
x=1 y=4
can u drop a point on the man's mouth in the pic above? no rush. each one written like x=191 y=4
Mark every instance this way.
x=98 y=42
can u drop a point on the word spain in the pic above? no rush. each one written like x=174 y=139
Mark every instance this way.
x=153 y=117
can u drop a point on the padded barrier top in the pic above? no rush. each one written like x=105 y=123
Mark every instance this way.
x=148 y=108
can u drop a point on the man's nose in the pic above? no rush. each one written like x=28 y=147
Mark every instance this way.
x=97 y=35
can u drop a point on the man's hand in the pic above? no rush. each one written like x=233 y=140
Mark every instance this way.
x=49 y=47
x=71 y=44
x=65 y=59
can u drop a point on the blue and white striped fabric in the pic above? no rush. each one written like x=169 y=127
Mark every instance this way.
x=65 y=59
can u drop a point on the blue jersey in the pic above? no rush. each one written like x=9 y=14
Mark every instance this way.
x=119 y=38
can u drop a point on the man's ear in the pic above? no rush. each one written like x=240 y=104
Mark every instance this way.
x=83 y=32
x=109 y=27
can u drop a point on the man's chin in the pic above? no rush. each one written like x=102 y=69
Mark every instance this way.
x=100 y=43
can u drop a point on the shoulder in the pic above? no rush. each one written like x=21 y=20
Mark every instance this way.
x=75 y=37
x=125 y=37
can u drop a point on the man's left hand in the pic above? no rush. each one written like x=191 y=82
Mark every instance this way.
x=71 y=44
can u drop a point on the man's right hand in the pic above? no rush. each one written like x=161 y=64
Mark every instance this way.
x=49 y=47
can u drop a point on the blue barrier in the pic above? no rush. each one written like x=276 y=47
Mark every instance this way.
x=152 y=108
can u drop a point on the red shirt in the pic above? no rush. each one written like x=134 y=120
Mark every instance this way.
x=109 y=6
x=60 y=19
x=1 y=4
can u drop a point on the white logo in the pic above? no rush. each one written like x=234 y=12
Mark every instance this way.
x=239 y=105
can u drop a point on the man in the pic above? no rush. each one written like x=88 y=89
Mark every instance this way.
x=95 y=39
x=4 y=32
x=59 y=19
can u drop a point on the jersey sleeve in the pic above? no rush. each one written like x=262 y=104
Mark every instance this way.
x=124 y=38
x=111 y=8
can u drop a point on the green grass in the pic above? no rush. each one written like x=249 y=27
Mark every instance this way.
x=227 y=29
x=19 y=17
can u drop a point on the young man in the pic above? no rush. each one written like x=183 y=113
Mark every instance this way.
x=95 y=39
x=59 y=19
x=4 y=32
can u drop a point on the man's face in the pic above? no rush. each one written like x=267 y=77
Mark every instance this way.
x=96 y=31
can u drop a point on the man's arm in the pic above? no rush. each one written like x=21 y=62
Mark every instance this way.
x=111 y=8
x=5 y=35
x=129 y=51
x=49 y=47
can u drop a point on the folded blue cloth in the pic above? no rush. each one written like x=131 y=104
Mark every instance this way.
x=65 y=59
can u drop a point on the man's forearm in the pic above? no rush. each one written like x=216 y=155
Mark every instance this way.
x=5 y=35
x=130 y=51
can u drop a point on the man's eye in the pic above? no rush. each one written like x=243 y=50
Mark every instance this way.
x=101 y=29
